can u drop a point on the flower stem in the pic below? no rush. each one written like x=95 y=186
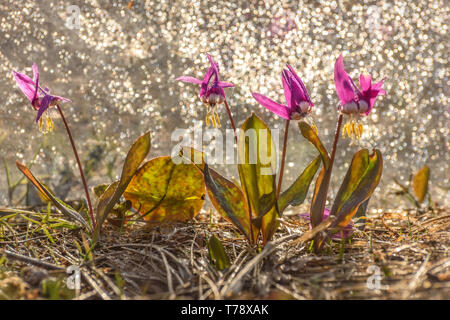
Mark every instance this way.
x=336 y=138
x=333 y=154
x=317 y=242
x=283 y=157
x=91 y=212
x=231 y=120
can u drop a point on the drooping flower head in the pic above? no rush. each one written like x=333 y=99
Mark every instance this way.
x=40 y=99
x=298 y=102
x=211 y=92
x=354 y=101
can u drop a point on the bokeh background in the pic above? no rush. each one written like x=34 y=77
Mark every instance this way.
x=119 y=69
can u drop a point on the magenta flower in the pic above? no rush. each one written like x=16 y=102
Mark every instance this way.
x=353 y=100
x=298 y=102
x=211 y=92
x=347 y=231
x=40 y=99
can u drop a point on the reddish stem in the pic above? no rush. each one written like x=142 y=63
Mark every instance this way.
x=336 y=139
x=231 y=120
x=328 y=174
x=91 y=212
x=283 y=157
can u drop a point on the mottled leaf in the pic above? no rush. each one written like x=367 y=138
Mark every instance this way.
x=217 y=254
x=225 y=195
x=420 y=183
x=361 y=212
x=230 y=201
x=163 y=191
x=359 y=183
x=311 y=135
x=63 y=207
x=257 y=161
x=135 y=156
x=296 y=193
x=323 y=180
x=100 y=189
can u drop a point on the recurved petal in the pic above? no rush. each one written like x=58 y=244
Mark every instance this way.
x=297 y=92
x=342 y=81
x=58 y=98
x=287 y=89
x=45 y=103
x=225 y=84
x=214 y=66
x=189 y=79
x=278 y=109
x=378 y=85
x=300 y=82
x=372 y=93
x=34 y=100
x=365 y=82
x=25 y=84
x=208 y=76
x=35 y=72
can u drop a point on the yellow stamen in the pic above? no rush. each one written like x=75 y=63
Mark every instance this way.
x=213 y=120
x=218 y=120
x=207 y=119
x=51 y=124
x=353 y=129
x=347 y=129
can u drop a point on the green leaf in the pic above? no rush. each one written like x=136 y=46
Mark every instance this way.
x=225 y=195
x=100 y=189
x=359 y=183
x=323 y=180
x=217 y=254
x=311 y=135
x=163 y=191
x=63 y=207
x=296 y=193
x=135 y=156
x=257 y=161
x=361 y=212
x=230 y=201
x=420 y=183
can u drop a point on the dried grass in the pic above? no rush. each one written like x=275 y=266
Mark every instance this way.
x=410 y=249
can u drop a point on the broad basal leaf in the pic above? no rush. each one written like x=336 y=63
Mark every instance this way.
x=230 y=201
x=163 y=191
x=63 y=207
x=323 y=180
x=217 y=254
x=311 y=135
x=296 y=193
x=257 y=162
x=359 y=183
x=135 y=156
x=225 y=195
x=420 y=183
